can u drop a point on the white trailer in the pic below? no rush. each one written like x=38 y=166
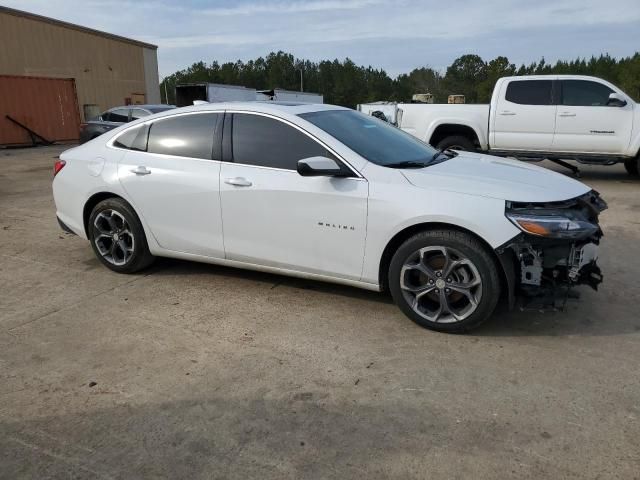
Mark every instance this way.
x=187 y=93
x=279 y=95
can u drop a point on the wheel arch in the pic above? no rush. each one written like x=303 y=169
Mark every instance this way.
x=502 y=263
x=445 y=130
x=94 y=200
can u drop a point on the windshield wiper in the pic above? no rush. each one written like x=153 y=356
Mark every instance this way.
x=407 y=164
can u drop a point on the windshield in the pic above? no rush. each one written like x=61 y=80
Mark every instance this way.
x=373 y=139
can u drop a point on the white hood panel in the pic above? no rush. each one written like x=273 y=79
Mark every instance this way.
x=496 y=177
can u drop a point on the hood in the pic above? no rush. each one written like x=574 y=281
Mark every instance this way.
x=496 y=177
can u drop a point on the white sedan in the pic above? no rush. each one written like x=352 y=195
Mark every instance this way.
x=327 y=193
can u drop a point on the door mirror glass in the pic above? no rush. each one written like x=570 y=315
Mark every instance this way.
x=321 y=167
x=616 y=100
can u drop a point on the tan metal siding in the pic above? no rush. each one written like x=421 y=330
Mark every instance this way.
x=45 y=105
x=106 y=71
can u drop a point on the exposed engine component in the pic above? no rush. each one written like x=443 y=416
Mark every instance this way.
x=558 y=247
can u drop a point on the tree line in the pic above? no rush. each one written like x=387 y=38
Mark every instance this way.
x=342 y=82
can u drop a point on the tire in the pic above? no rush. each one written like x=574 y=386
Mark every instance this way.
x=467 y=304
x=456 y=142
x=117 y=237
x=632 y=165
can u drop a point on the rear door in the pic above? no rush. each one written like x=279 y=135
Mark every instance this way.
x=525 y=116
x=173 y=181
x=587 y=124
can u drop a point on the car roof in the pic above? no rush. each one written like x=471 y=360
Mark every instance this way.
x=291 y=108
x=146 y=105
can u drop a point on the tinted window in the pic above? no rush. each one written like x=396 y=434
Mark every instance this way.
x=133 y=139
x=584 y=93
x=138 y=113
x=373 y=139
x=184 y=135
x=118 y=115
x=263 y=141
x=529 y=92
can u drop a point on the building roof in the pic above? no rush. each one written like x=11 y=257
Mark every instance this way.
x=73 y=26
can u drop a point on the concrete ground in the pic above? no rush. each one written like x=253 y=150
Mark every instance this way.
x=197 y=371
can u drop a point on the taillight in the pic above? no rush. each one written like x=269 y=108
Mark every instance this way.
x=83 y=126
x=58 y=166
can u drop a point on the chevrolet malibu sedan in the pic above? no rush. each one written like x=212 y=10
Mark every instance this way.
x=327 y=193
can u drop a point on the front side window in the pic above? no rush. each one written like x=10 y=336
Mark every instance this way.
x=184 y=135
x=263 y=141
x=530 y=92
x=371 y=138
x=584 y=93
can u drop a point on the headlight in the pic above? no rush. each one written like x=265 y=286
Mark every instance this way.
x=552 y=226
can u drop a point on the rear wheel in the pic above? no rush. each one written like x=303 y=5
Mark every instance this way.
x=117 y=237
x=456 y=142
x=632 y=165
x=444 y=280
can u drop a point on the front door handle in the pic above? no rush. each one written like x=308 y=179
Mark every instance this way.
x=506 y=112
x=566 y=114
x=238 y=182
x=141 y=170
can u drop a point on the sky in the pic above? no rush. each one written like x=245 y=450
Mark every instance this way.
x=397 y=36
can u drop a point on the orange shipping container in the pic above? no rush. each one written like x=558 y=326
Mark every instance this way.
x=48 y=106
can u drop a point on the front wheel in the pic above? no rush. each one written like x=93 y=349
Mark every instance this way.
x=117 y=237
x=632 y=165
x=456 y=142
x=444 y=280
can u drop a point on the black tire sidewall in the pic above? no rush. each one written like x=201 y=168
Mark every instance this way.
x=456 y=140
x=474 y=251
x=141 y=256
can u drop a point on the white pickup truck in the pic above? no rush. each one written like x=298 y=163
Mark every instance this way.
x=554 y=117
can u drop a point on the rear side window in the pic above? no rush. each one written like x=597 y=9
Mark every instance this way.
x=118 y=115
x=583 y=93
x=530 y=92
x=263 y=141
x=133 y=139
x=138 y=113
x=184 y=135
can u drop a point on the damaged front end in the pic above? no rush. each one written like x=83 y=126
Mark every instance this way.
x=557 y=249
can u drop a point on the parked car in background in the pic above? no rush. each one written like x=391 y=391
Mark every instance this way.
x=554 y=117
x=327 y=193
x=114 y=117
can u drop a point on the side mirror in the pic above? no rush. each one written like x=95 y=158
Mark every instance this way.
x=321 y=167
x=616 y=100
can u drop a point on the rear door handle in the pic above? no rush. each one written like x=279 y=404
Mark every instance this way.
x=141 y=170
x=238 y=182
x=566 y=114
x=506 y=112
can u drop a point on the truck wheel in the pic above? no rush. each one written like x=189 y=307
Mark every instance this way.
x=444 y=280
x=631 y=164
x=456 y=142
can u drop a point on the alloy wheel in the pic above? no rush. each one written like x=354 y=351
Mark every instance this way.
x=113 y=238
x=440 y=284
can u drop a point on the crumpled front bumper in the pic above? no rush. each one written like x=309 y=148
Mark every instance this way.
x=537 y=266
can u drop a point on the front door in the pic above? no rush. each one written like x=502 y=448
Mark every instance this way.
x=525 y=116
x=587 y=124
x=275 y=217
x=174 y=184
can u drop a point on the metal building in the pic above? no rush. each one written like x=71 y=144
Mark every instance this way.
x=53 y=73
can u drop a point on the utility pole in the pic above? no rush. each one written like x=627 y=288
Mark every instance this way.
x=301 y=86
